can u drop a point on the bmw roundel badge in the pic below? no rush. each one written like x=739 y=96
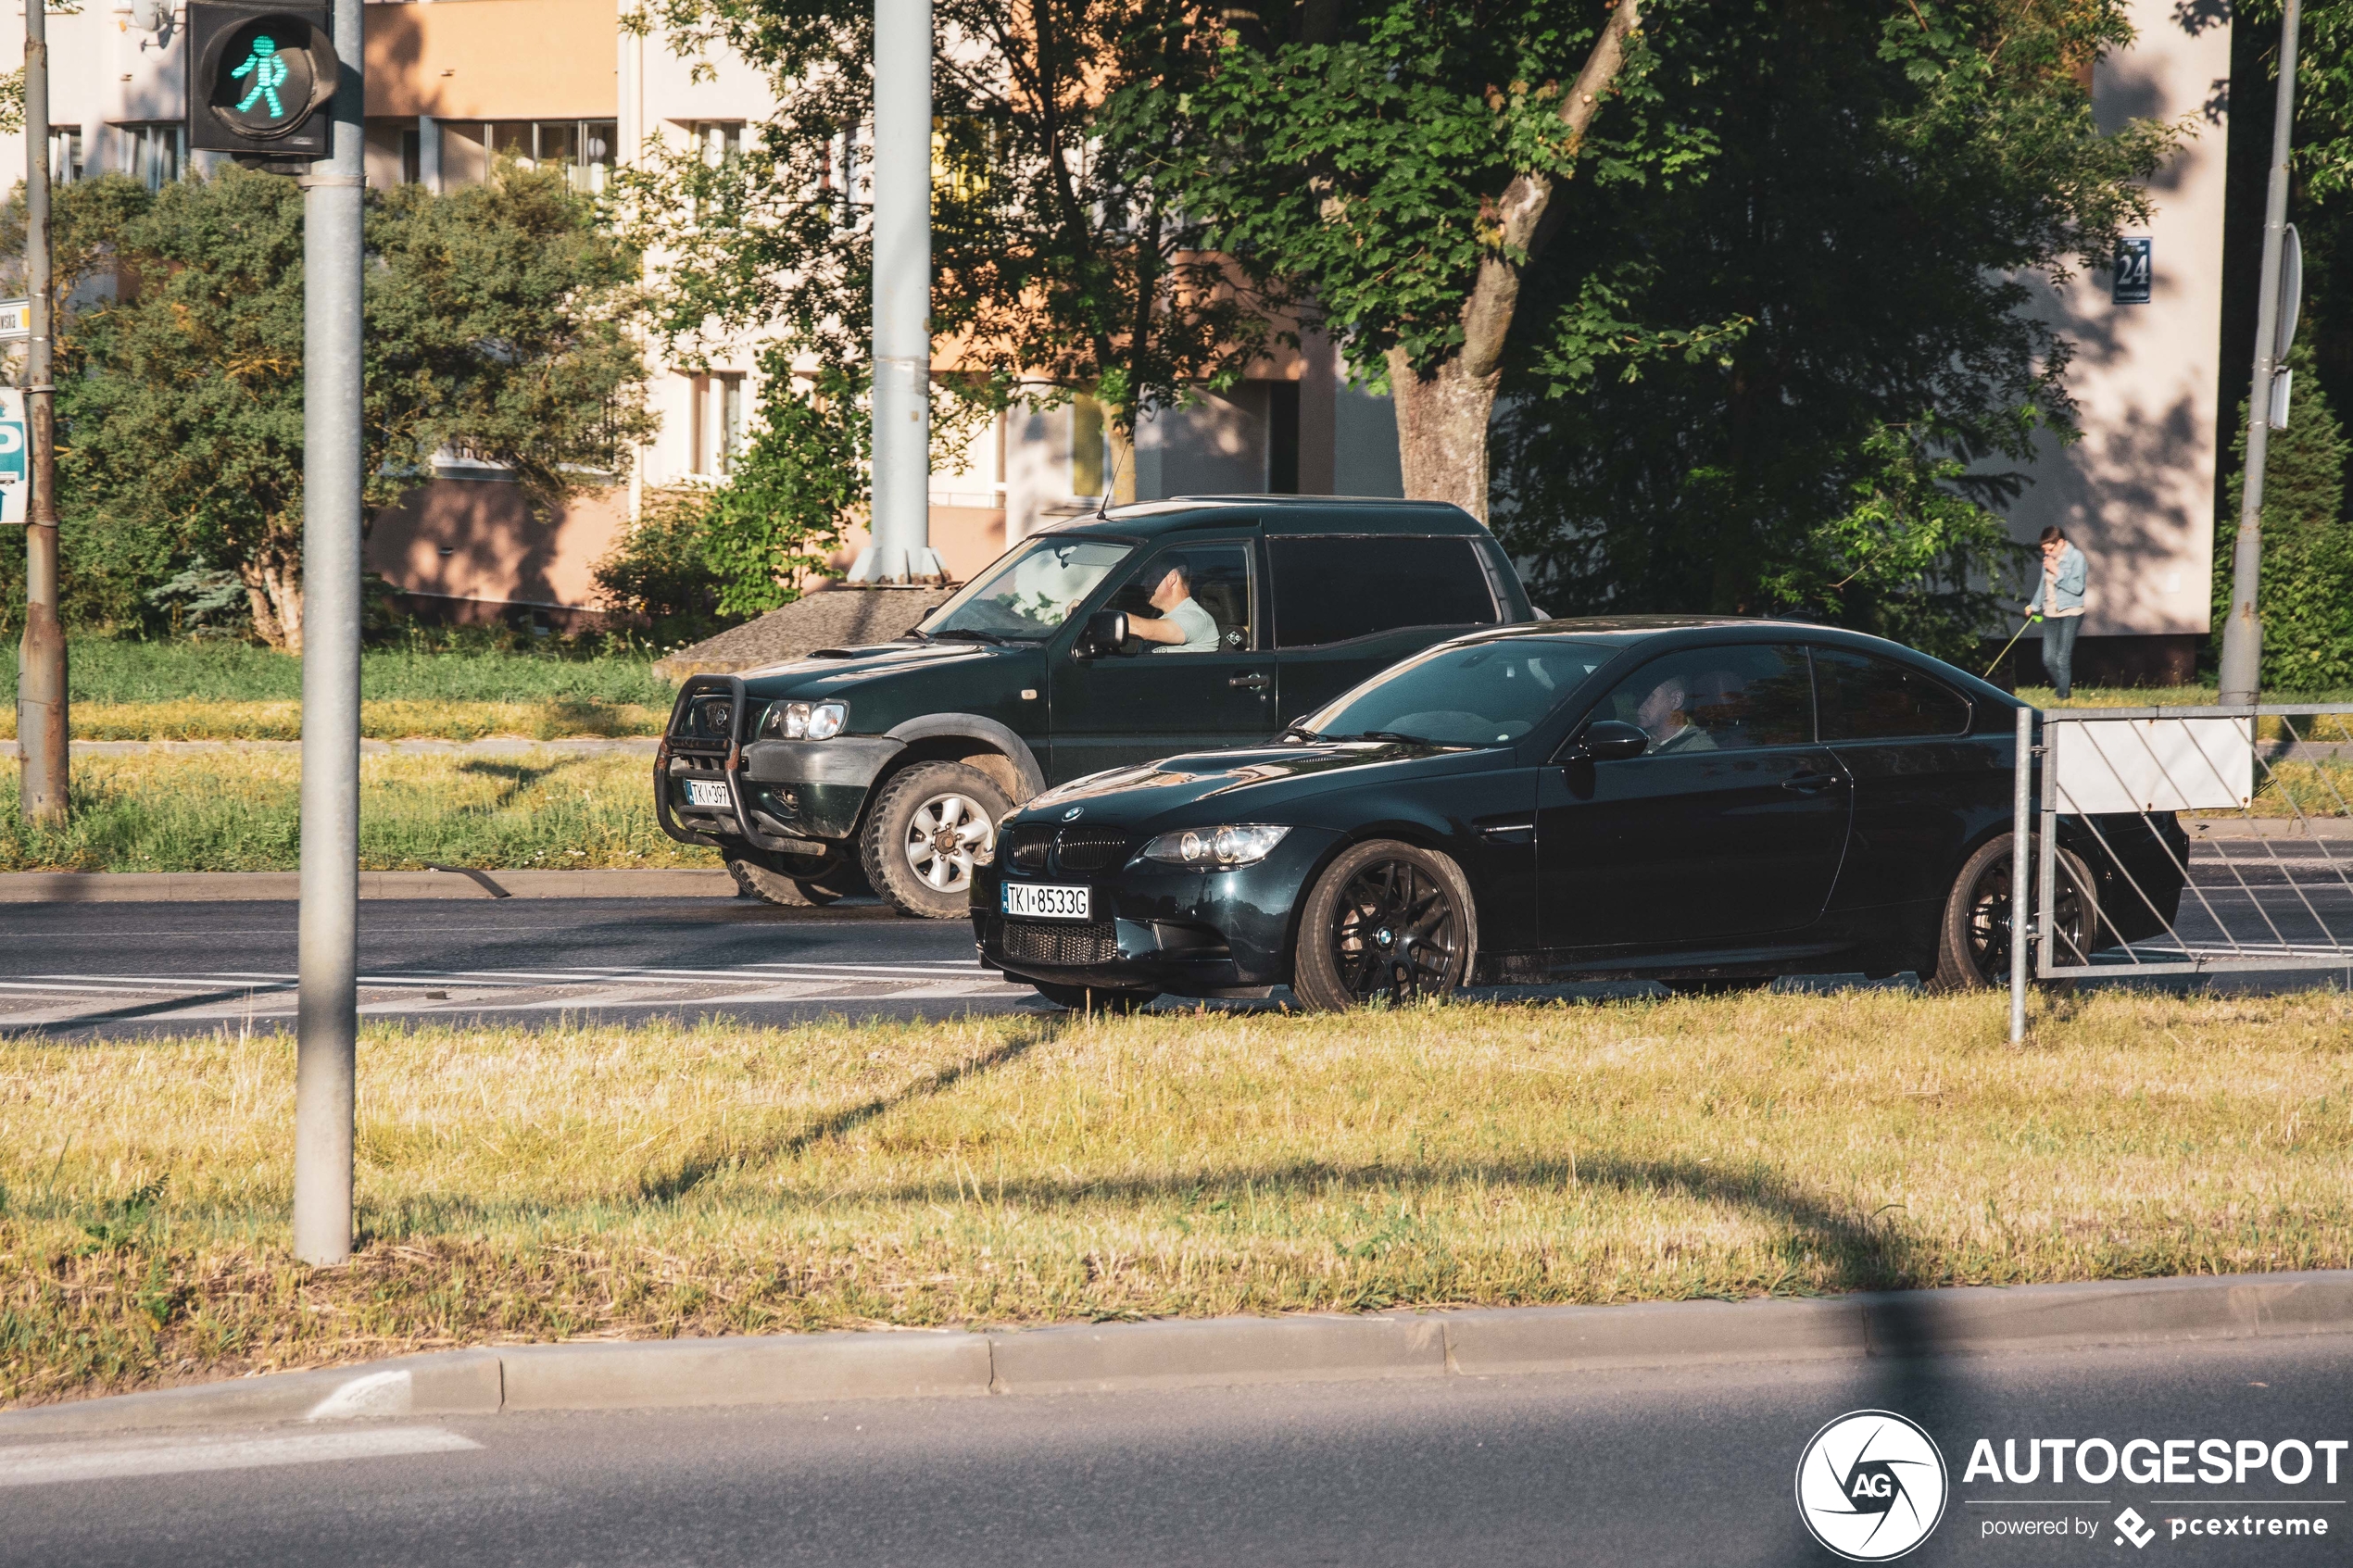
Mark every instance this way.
x=1072 y=814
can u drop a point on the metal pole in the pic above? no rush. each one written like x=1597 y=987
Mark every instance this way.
x=329 y=959
x=2243 y=631
x=901 y=516
x=2021 y=825
x=40 y=656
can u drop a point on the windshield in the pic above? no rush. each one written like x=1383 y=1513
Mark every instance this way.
x=1478 y=694
x=1027 y=595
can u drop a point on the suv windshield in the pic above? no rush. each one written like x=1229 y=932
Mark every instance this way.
x=1026 y=595
x=1480 y=695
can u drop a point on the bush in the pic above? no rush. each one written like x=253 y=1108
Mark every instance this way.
x=2305 y=593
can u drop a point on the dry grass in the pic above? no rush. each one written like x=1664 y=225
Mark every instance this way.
x=607 y=1182
x=230 y=811
x=399 y=719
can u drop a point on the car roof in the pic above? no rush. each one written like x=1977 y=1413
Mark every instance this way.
x=1629 y=631
x=1276 y=514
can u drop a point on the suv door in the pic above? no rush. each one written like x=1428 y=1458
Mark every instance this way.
x=1150 y=699
x=1348 y=606
x=1729 y=827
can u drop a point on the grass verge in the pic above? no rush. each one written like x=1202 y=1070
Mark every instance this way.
x=396 y=718
x=606 y=1181
x=240 y=811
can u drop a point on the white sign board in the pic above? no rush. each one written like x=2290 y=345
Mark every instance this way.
x=2154 y=764
x=16 y=457
x=15 y=319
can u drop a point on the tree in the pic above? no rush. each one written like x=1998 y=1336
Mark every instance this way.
x=2307 y=589
x=1060 y=267
x=496 y=322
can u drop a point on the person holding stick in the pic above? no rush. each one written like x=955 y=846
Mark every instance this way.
x=2058 y=599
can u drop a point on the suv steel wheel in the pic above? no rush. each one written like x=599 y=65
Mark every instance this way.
x=925 y=832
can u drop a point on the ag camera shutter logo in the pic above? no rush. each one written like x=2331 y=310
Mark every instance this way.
x=1871 y=1486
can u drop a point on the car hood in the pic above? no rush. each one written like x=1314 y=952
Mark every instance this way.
x=1256 y=786
x=838 y=670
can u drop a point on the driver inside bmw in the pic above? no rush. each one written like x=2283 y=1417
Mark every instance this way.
x=1682 y=713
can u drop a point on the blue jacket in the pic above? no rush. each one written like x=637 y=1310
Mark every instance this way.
x=2065 y=594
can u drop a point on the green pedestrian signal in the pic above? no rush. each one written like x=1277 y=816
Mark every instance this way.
x=259 y=80
x=268 y=73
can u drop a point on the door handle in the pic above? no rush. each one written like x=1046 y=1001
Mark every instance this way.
x=1811 y=783
x=1250 y=682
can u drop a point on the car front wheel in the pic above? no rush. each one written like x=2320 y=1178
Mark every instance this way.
x=1385 y=921
x=924 y=835
x=1973 y=952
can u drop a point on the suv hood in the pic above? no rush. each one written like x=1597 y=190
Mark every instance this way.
x=838 y=672
x=1260 y=784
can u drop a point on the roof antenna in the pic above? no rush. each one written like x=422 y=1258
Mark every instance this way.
x=1111 y=483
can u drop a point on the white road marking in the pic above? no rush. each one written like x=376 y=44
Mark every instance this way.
x=43 y=1465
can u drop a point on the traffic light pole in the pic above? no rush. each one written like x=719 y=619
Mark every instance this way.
x=329 y=954
x=40 y=656
x=2243 y=631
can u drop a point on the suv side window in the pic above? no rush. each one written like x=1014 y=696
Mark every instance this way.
x=1330 y=588
x=1737 y=698
x=1866 y=698
x=1220 y=578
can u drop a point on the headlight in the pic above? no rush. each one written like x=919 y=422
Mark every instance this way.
x=1238 y=845
x=801 y=720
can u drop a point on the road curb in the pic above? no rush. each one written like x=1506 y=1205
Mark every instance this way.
x=783 y=1369
x=174 y=887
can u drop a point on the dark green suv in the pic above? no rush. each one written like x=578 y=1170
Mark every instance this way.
x=1102 y=642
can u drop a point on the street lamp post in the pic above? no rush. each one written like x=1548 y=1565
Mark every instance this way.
x=2243 y=631
x=40 y=656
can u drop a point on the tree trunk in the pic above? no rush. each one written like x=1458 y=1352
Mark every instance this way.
x=1442 y=429
x=1442 y=414
x=273 y=589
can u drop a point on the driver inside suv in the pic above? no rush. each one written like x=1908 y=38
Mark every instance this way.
x=1183 y=626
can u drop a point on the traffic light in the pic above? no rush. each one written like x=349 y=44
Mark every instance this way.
x=259 y=77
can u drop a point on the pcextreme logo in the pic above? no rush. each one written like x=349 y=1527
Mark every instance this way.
x=1871 y=1486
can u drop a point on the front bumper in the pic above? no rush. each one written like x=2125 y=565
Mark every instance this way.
x=1155 y=927
x=795 y=796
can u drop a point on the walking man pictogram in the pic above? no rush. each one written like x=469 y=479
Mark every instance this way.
x=268 y=74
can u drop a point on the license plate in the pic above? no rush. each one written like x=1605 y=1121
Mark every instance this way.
x=707 y=792
x=1032 y=902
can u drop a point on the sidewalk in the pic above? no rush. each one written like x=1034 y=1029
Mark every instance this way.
x=157 y=887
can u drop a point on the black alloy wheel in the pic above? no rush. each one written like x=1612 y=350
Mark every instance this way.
x=1977 y=927
x=1387 y=921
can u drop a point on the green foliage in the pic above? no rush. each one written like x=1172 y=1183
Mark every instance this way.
x=2305 y=593
x=660 y=572
x=1057 y=251
x=1852 y=262
x=782 y=513
x=494 y=324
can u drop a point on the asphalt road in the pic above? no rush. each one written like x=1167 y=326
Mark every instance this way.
x=1682 y=1467
x=78 y=970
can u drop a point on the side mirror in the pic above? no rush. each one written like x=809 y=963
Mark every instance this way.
x=1105 y=632
x=1610 y=740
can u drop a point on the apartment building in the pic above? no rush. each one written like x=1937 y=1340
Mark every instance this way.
x=455 y=84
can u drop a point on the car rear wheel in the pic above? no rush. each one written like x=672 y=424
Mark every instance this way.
x=1385 y=921
x=924 y=835
x=1089 y=999
x=1973 y=950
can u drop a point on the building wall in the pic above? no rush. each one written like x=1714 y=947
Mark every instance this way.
x=2137 y=493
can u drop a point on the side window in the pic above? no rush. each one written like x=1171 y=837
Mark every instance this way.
x=1329 y=589
x=1866 y=698
x=1718 y=699
x=1210 y=597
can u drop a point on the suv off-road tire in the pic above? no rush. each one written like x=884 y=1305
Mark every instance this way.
x=945 y=796
x=1425 y=950
x=770 y=887
x=1963 y=952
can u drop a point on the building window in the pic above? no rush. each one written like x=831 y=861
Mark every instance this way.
x=65 y=157
x=718 y=139
x=715 y=423
x=582 y=148
x=412 y=156
x=158 y=152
